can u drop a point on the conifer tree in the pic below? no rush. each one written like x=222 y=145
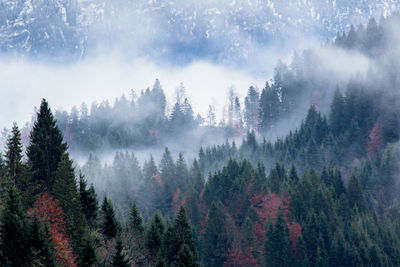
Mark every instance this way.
x=13 y=231
x=119 y=259
x=46 y=147
x=154 y=234
x=109 y=226
x=66 y=191
x=87 y=253
x=40 y=244
x=355 y=194
x=278 y=247
x=178 y=235
x=134 y=237
x=337 y=114
x=88 y=200
x=14 y=153
x=186 y=257
x=135 y=222
x=216 y=240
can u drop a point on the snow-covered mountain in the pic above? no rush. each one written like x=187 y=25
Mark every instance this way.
x=215 y=29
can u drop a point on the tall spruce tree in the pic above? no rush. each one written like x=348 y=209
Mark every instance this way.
x=177 y=236
x=186 y=258
x=154 y=234
x=40 y=244
x=87 y=253
x=134 y=237
x=46 y=147
x=13 y=231
x=65 y=189
x=120 y=259
x=216 y=239
x=88 y=200
x=14 y=153
x=278 y=247
x=110 y=226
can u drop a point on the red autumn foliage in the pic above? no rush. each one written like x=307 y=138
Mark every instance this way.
x=266 y=206
x=157 y=177
x=64 y=254
x=47 y=207
x=259 y=232
x=177 y=201
x=237 y=257
x=203 y=224
x=374 y=141
x=294 y=231
x=201 y=195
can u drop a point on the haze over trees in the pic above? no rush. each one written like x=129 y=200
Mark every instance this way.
x=326 y=193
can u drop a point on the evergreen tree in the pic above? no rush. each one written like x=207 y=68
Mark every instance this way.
x=278 y=247
x=135 y=222
x=355 y=194
x=186 y=257
x=337 y=114
x=134 y=237
x=109 y=226
x=270 y=106
x=13 y=231
x=184 y=234
x=87 y=254
x=40 y=244
x=88 y=200
x=251 y=104
x=65 y=189
x=119 y=259
x=46 y=147
x=216 y=240
x=154 y=234
x=14 y=153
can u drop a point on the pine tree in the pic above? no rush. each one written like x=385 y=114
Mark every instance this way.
x=88 y=200
x=13 y=231
x=355 y=194
x=337 y=114
x=87 y=253
x=216 y=240
x=278 y=247
x=184 y=234
x=66 y=191
x=40 y=244
x=46 y=147
x=109 y=226
x=135 y=222
x=14 y=153
x=134 y=237
x=154 y=234
x=119 y=259
x=186 y=257
x=251 y=104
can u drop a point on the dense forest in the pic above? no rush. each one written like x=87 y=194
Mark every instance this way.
x=324 y=193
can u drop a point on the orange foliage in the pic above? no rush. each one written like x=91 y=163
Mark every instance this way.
x=47 y=207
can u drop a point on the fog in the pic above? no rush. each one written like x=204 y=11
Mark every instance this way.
x=23 y=83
